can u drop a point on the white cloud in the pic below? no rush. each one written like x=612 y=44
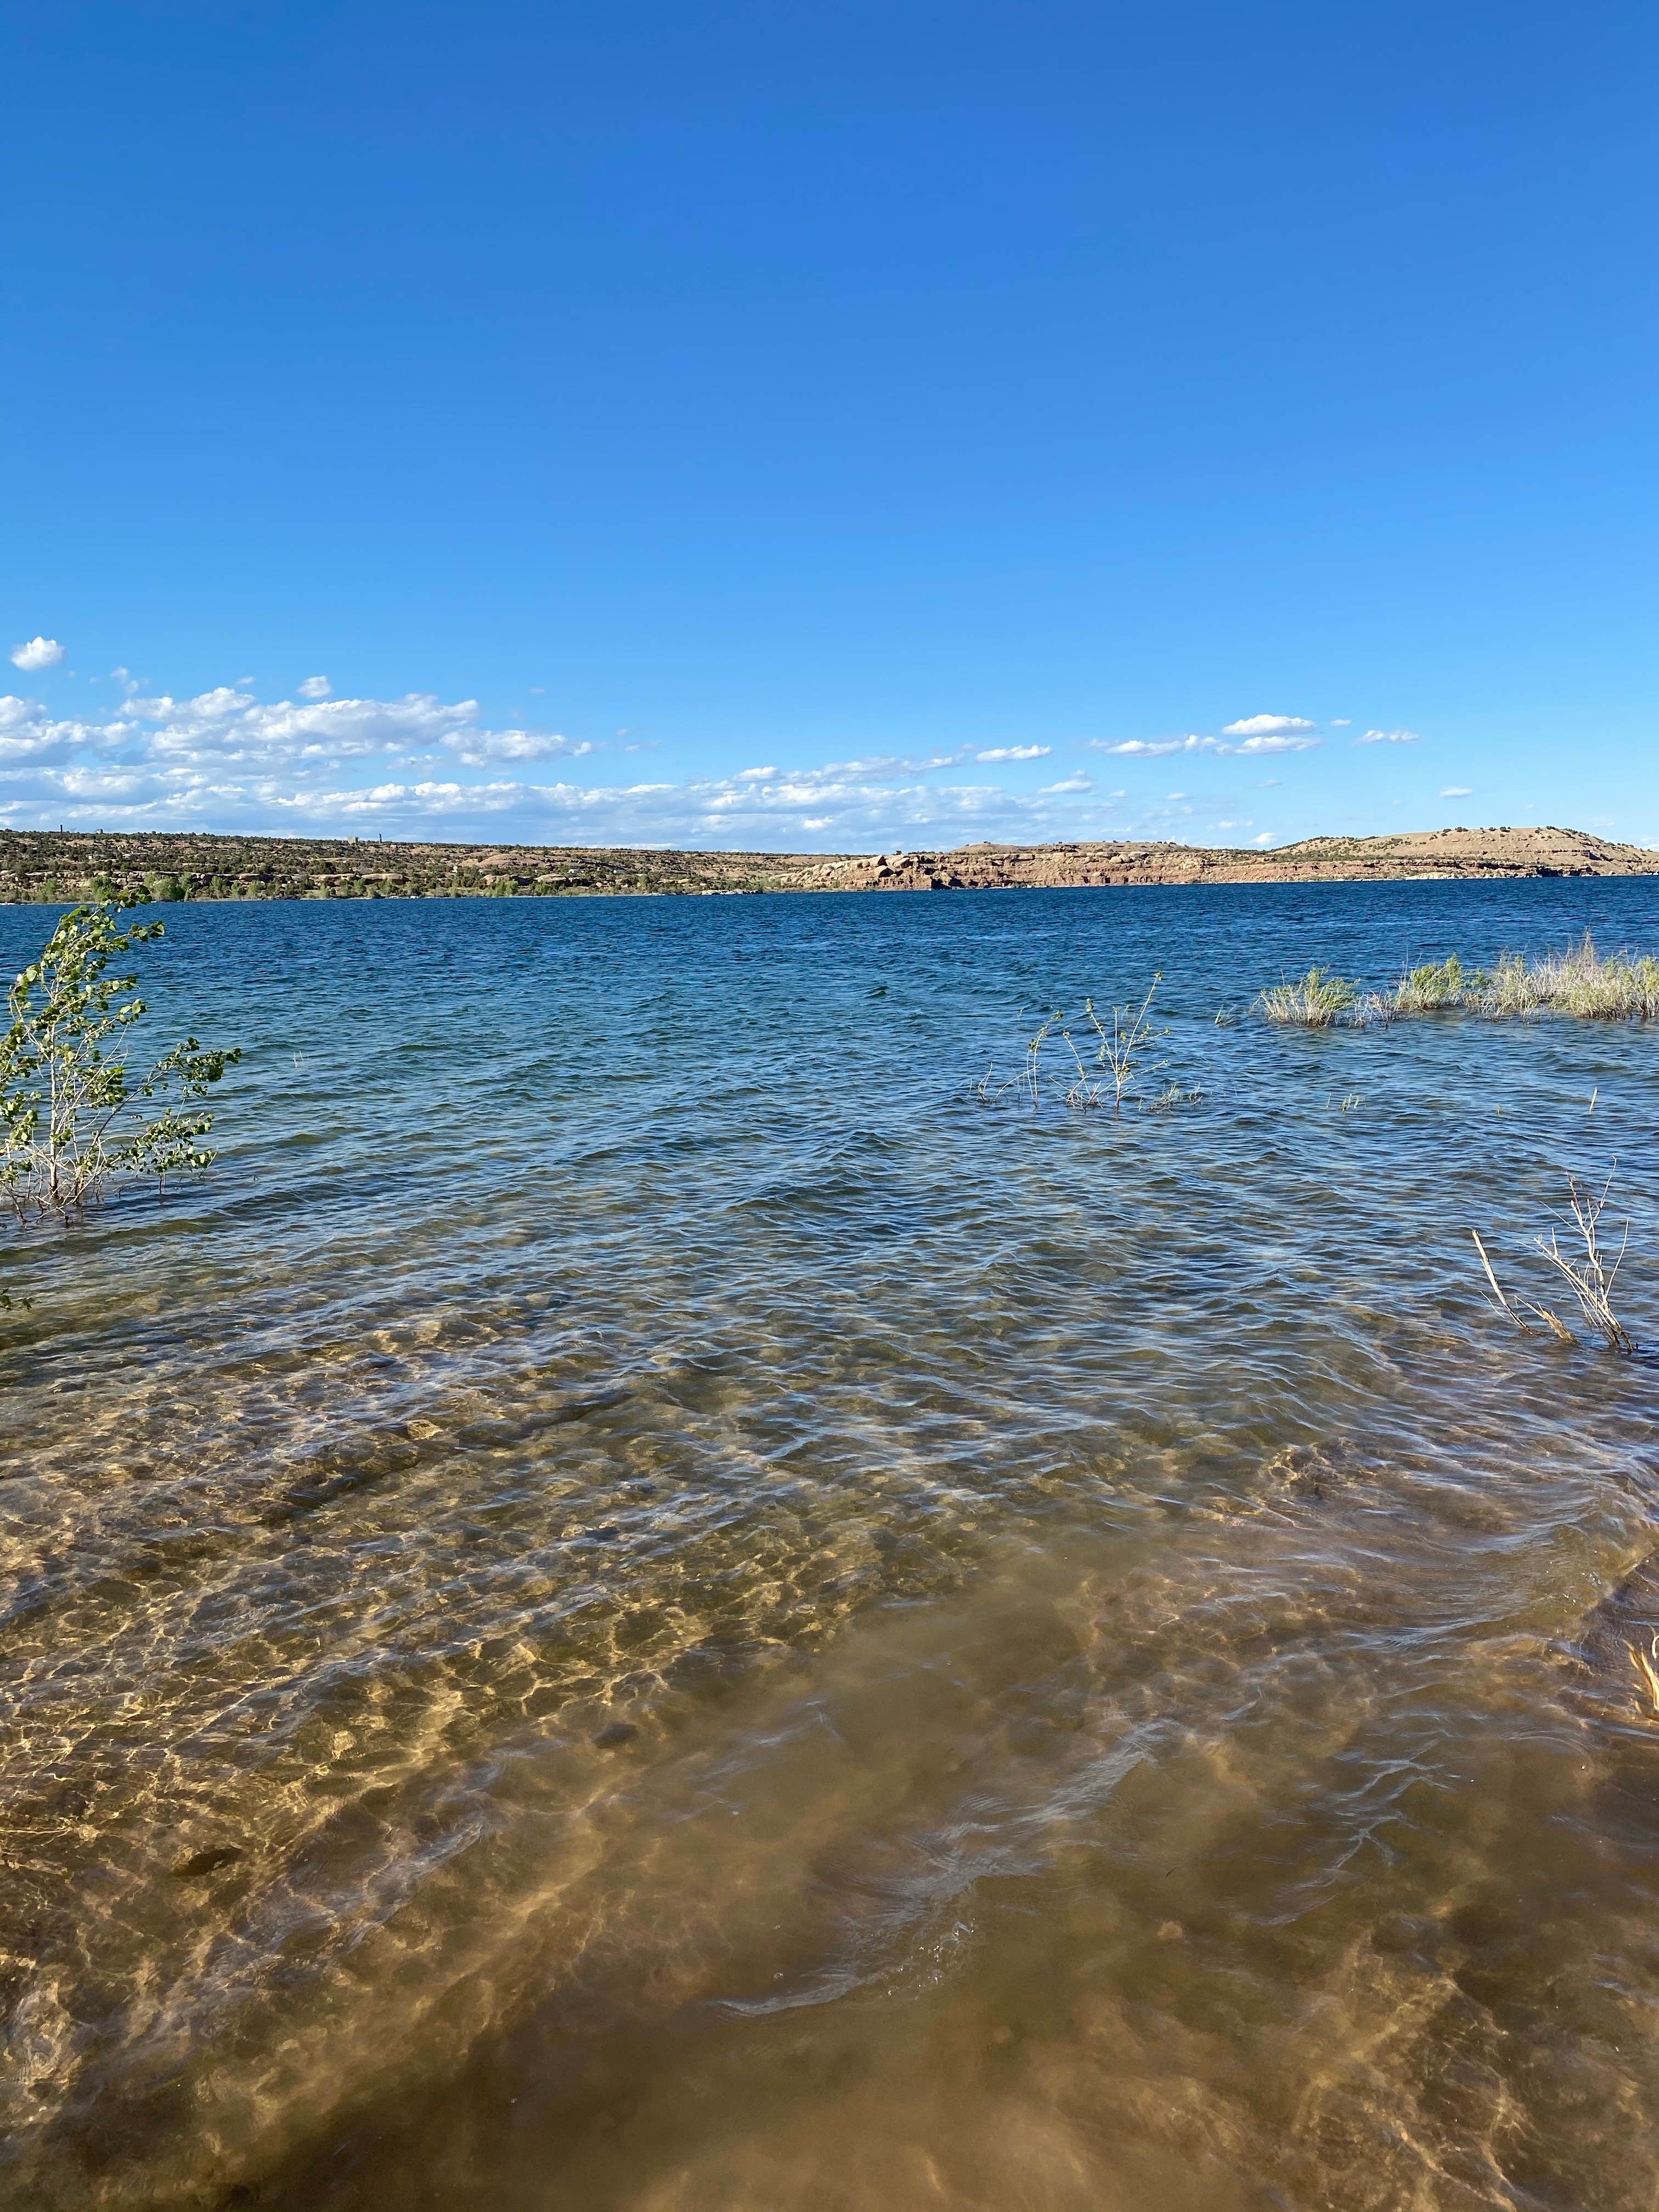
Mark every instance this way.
x=1458 y=790
x=39 y=653
x=1270 y=726
x=316 y=687
x=233 y=726
x=1342 y=722
x=476 y=748
x=883 y=764
x=1266 y=838
x=1260 y=741
x=419 y=765
x=1388 y=737
x=1015 y=753
x=1155 y=747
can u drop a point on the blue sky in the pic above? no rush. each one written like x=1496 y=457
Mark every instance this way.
x=835 y=426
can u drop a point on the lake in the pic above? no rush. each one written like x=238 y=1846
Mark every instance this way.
x=642 y=1601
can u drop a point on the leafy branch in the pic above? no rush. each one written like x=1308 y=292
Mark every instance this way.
x=72 y=1115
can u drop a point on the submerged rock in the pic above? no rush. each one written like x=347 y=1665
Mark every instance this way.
x=207 y=1862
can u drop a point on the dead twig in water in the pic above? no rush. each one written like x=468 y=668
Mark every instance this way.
x=1514 y=1308
x=1591 y=1277
x=1646 y=1671
x=1510 y=1311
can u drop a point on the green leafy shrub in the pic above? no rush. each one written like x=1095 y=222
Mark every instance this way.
x=73 y=1118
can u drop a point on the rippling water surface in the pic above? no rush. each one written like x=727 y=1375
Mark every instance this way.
x=643 y=1603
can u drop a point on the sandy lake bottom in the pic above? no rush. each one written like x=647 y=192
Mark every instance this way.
x=642 y=1604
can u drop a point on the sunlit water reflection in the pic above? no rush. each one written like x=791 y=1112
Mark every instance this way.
x=642 y=1603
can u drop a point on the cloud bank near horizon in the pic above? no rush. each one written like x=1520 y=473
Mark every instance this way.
x=321 y=765
x=419 y=766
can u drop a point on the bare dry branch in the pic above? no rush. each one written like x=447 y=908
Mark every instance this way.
x=1591 y=1277
x=1505 y=1305
x=1646 y=1672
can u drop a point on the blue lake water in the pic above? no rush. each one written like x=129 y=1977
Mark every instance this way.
x=642 y=1601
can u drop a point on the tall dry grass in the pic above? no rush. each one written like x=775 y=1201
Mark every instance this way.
x=1316 y=1001
x=1580 y=983
x=1591 y=986
x=1430 y=989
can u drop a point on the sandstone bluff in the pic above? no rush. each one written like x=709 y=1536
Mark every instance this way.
x=60 y=866
x=1418 y=854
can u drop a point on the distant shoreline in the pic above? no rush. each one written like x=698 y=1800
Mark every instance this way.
x=49 y=866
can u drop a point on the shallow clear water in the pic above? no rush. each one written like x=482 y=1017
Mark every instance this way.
x=643 y=1603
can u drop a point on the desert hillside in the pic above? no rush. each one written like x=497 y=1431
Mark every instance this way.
x=55 y=865
x=1413 y=852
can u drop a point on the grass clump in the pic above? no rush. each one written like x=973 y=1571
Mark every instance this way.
x=1581 y=982
x=1316 y=1001
x=1431 y=988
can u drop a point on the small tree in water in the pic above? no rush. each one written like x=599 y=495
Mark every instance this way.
x=72 y=1117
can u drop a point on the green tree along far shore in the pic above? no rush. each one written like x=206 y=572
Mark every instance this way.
x=74 y=1116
